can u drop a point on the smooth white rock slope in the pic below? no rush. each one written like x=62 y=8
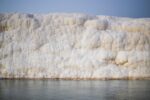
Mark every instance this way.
x=73 y=46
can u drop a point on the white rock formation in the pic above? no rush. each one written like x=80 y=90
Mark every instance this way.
x=74 y=46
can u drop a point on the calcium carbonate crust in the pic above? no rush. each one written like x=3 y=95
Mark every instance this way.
x=74 y=46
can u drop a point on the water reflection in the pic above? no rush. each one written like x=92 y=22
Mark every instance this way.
x=74 y=90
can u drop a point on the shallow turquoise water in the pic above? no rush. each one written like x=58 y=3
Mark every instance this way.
x=74 y=90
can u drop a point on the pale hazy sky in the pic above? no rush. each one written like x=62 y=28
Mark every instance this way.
x=127 y=8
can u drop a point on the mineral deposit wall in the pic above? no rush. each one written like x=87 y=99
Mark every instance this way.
x=73 y=46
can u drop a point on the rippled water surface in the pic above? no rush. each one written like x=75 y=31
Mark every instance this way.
x=74 y=90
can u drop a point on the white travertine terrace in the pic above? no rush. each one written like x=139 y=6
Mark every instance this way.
x=73 y=46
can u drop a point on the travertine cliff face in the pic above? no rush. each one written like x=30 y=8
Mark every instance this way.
x=73 y=46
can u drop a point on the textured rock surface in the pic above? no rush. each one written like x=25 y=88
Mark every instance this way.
x=73 y=46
